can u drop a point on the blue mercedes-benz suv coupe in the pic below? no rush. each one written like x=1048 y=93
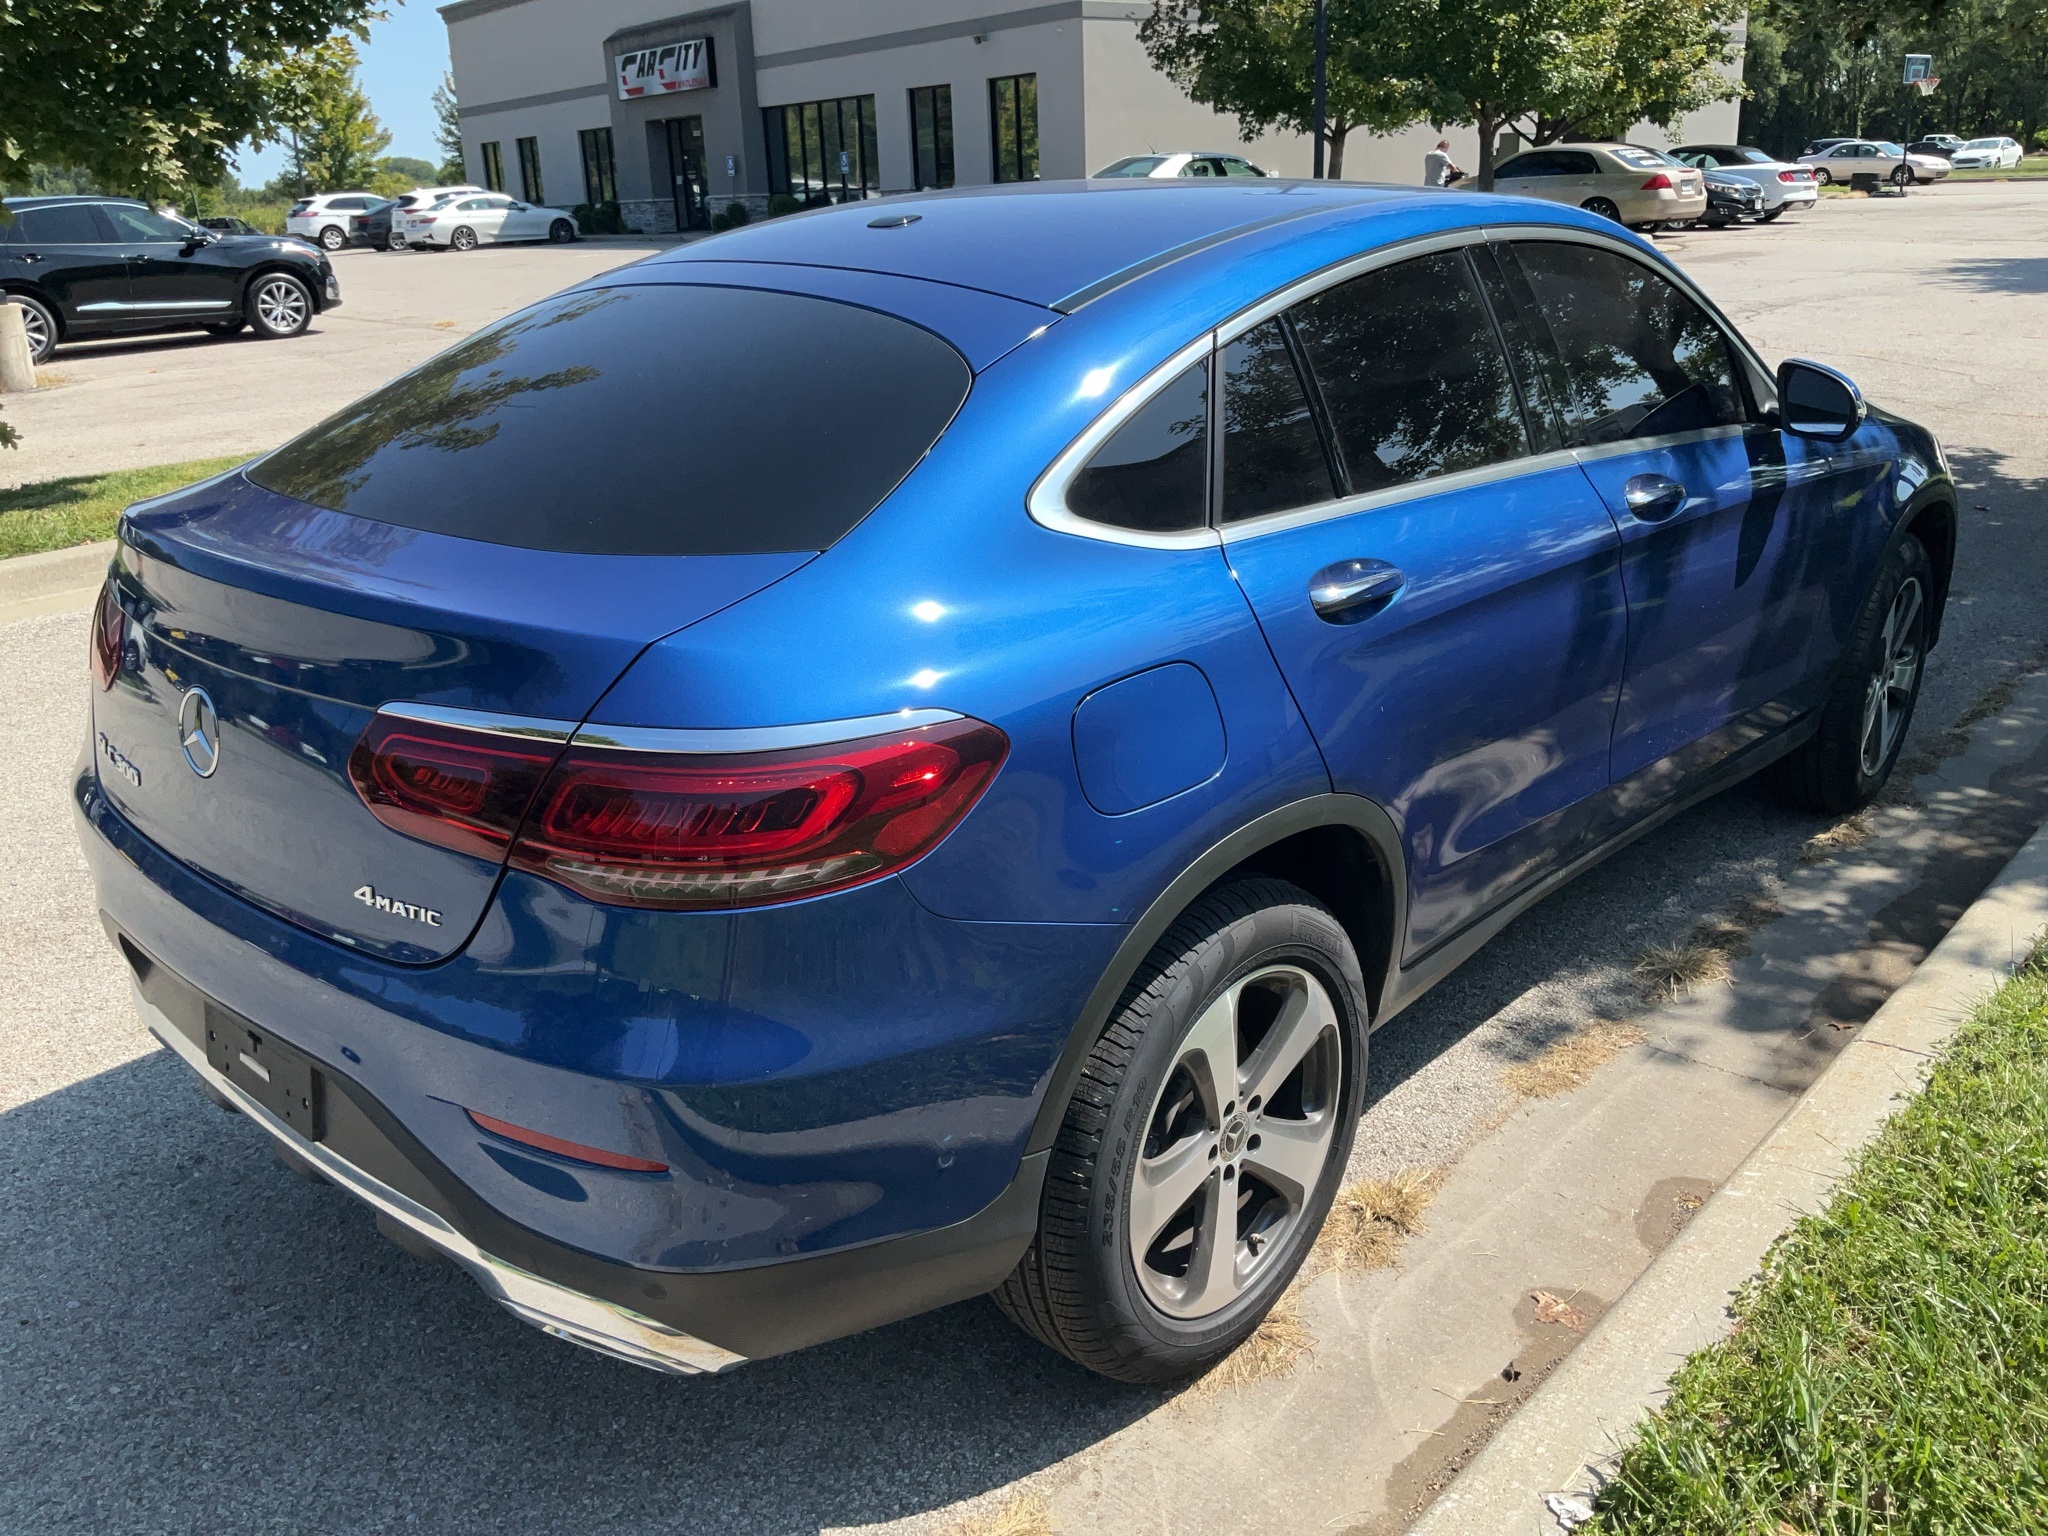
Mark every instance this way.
x=902 y=752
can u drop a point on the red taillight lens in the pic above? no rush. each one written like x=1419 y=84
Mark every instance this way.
x=109 y=636
x=462 y=789
x=1795 y=176
x=1658 y=183
x=681 y=832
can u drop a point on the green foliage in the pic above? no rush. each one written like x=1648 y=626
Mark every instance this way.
x=448 y=130
x=334 y=139
x=56 y=514
x=737 y=214
x=782 y=203
x=603 y=219
x=1889 y=1372
x=720 y=223
x=147 y=95
x=1820 y=67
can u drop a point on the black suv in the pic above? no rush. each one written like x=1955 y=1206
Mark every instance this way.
x=102 y=266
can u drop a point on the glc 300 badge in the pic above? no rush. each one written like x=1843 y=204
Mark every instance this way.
x=371 y=899
x=118 y=761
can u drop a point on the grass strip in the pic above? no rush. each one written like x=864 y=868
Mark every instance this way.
x=56 y=514
x=1889 y=1369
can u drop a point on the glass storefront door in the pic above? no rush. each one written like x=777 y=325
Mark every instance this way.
x=687 y=168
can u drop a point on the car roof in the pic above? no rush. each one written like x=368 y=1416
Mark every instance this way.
x=1053 y=243
x=59 y=199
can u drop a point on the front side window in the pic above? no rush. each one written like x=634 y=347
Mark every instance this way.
x=1013 y=127
x=1524 y=166
x=931 y=136
x=141 y=224
x=1152 y=476
x=546 y=430
x=1273 y=458
x=1641 y=359
x=1133 y=165
x=1232 y=166
x=494 y=165
x=600 y=170
x=531 y=186
x=1412 y=373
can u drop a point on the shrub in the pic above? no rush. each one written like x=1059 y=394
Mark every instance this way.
x=601 y=219
x=737 y=214
x=782 y=203
x=720 y=223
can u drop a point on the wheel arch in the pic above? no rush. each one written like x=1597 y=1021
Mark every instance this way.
x=1931 y=518
x=264 y=269
x=30 y=291
x=1342 y=849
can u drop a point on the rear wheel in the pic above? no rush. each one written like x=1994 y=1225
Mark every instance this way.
x=1204 y=1142
x=1903 y=176
x=464 y=238
x=561 y=232
x=40 y=324
x=1821 y=175
x=332 y=239
x=1602 y=208
x=1869 y=708
x=395 y=241
x=279 y=305
x=1774 y=215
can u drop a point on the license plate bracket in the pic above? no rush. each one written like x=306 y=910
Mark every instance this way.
x=280 y=1077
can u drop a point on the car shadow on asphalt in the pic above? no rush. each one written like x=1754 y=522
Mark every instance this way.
x=2000 y=274
x=195 y=1339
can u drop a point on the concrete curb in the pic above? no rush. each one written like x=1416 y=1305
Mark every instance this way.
x=1538 y=1474
x=56 y=580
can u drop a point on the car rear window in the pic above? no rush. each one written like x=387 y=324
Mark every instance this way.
x=659 y=420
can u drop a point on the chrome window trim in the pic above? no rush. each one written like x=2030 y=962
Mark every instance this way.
x=484 y=720
x=1394 y=495
x=757 y=738
x=1593 y=453
x=1342 y=272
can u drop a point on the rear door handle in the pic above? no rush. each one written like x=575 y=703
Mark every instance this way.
x=1652 y=498
x=1352 y=590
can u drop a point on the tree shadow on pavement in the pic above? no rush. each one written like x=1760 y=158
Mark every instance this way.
x=193 y=1339
x=2000 y=274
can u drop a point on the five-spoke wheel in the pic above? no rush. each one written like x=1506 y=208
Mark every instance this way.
x=1888 y=696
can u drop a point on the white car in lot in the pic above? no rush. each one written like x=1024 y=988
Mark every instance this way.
x=324 y=219
x=1844 y=162
x=1787 y=188
x=1996 y=154
x=463 y=223
x=419 y=200
x=1199 y=163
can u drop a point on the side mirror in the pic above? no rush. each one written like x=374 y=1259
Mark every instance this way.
x=1815 y=401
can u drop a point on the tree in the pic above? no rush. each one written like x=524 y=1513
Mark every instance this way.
x=448 y=129
x=146 y=95
x=335 y=139
x=1255 y=59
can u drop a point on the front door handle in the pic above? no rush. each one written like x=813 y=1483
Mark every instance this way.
x=1352 y=590
x=1652 y=498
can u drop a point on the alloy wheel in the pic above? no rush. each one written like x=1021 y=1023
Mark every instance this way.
x=464 y=239
x=281 y=305
x=38 y=329
x=1237 y=1142
x=1888 y=696
x=1822 y=176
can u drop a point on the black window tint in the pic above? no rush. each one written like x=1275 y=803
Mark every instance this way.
x=1577 y=163
x=1153 y=473
x=1412 y=373
x=63 y=224
x=641 y=420
x=1273 y=457
x=141 y=224
x=1526 y=165
x=1529 y=354
x=1640 y=358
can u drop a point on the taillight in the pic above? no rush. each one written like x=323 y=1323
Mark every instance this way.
x=683 y=831
x=463 y=789
x=643 y=827
x=109 y=636
x=1658 y=183
x=1794 y=175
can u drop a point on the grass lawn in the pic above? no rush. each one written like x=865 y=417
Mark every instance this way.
x=1889 y=1371
x=2033 y=168
x=55 y=514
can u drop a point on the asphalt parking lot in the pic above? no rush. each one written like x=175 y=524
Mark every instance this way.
x=191 y=1339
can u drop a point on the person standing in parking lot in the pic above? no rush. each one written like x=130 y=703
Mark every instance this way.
x=1438 y=169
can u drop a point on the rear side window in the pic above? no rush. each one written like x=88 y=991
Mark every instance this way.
x=1273 y=456
x=1152 y=476
x=1640 y=358
x=648 y=420
x=64 y=224
x=1412 y=373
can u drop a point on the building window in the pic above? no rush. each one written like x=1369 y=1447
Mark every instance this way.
x=494 y=166
x=823 y=151
x=530 y=185
x=600 y=174
x=1013 y=126
x=931 y=136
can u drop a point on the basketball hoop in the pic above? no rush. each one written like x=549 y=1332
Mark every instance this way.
x=1925 y=85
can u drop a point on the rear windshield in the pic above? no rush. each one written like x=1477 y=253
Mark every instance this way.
x=659 y=420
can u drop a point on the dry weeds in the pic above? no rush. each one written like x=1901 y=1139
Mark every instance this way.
x=1372 y=1219
x=1670 y=971
x=1276 y=1347
x=1025 y=1515
x=1846 y=834
x=1561 y=1067
x=1552 y=1308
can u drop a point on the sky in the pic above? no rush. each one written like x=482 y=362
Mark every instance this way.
x=402 y=63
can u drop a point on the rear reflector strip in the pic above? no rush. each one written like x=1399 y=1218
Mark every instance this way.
x=596 y=1156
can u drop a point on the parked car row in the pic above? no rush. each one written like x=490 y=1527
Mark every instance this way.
x=1845 y=161
x=456 y=218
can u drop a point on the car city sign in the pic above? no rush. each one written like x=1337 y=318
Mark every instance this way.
x=684 y=66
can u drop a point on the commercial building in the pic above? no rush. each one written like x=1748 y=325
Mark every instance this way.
x=674 y=116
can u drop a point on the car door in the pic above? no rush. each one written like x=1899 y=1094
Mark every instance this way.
x=1724 y=520
x=67 y=251
x=171 y=276
x=1444 y=600
x=1536 y=173
x=500 y=217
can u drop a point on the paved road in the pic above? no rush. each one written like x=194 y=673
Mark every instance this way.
x=192 y=1340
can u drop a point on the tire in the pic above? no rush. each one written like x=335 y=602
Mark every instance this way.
x=1600 y=207
x=1262 y=965
x=1869 y=707
x=395 y=241
x=463 y=239
x=332 y=238
x=227 y=328
x=561 y=232
x=1902 y=176
x=1822 y=177
x=1774 y=215
x=41 y=325
x=279 y=305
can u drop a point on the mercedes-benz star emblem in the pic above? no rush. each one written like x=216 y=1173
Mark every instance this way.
x=199 y=732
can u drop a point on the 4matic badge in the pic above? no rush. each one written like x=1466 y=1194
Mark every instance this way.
x=371 y=899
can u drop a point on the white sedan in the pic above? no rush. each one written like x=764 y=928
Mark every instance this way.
x=1851 y=158
x=1193 y=163
x=1996 y=154
x=464 y=223
x=1786 y=188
